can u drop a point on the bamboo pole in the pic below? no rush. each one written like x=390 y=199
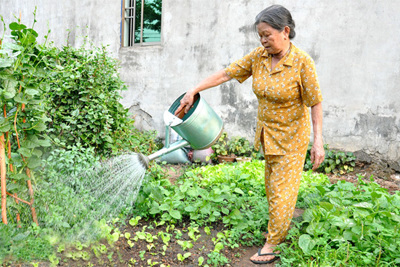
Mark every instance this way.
x=18 y=199
x=3 y=180
x=3 y=175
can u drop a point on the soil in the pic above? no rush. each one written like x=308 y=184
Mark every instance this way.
x=145 y=253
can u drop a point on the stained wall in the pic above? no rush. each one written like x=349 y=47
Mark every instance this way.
x=354 y=45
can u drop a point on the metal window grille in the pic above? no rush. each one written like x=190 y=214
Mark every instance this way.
x=133 y=26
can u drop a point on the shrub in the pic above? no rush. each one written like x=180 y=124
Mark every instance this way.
x=337 y=162
x=83 y=99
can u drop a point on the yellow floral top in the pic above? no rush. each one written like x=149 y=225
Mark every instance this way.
x=284 y=95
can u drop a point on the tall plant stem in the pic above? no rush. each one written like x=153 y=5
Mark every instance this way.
x=10 y=165
x=28 y=172
x=34 y=217
x=3 y=180
x=8 y=141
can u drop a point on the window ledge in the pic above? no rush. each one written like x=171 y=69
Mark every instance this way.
x=143 y=46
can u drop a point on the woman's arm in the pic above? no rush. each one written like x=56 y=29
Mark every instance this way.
x=317 y=150
x=211 y=81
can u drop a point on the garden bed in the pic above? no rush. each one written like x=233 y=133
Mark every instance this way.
x=186 y=249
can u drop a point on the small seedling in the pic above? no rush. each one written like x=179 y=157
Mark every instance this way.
x=150 y=246
x=127 y=235
x=103 y=249
x=192 y=231
x=85 y=256
x=207 y=230
x=184 y=256
x=218 y=247
x=132 y=261
x=141 y=254
x=134 y=221
x=141 y=235
x=159 y=224
x=165 y=237
x=130 y=243
x=178 y=234
x=150 y=263
x=109 y=256
x=185 y=244
x=78 y=245
x=200 y=261
x=170 y=227
x=61 y=248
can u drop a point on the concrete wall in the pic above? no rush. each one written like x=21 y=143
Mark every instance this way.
x=71 y=22
x=354 y=45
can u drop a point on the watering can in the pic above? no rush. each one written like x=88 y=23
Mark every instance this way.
x=200 y=128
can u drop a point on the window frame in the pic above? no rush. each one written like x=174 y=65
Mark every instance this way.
x=123 y=25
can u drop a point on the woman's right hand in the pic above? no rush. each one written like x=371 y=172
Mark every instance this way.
x=186 y=103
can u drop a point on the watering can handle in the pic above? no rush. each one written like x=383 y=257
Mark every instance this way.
x=182 y=113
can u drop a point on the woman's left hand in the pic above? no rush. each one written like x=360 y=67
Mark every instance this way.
x=317 y=153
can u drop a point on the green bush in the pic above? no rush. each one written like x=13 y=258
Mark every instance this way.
x=83 y=102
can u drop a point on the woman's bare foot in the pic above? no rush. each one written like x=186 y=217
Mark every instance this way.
x=268 y=248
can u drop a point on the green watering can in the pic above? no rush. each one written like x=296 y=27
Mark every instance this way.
x=200 y=128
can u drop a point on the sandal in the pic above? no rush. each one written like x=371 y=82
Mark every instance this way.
x=265 y=254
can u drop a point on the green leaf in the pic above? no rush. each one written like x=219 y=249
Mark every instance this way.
x=4 y=125
x=13 y=46
x=14 y=26
x=20 y=176
x=218 y=247
x=239 y=191
x=175 y=214
x=40 y=127
x=190 y=208
x=34 y=162
x=25 y=152
x=75 y=113
x=31 y=92
x=326 y=205
x=21 y=236
x=349 y=235
x=365 y=205
x=10 y=88
x=43 y=142
x=306 y=243
x=65 y=225
x=37 y=152
x=20 y=98
x=6 y=62
x=157 y=194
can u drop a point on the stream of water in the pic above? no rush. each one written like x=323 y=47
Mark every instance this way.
x=102 y=192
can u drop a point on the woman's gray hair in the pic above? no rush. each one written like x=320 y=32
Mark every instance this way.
x=277 y=17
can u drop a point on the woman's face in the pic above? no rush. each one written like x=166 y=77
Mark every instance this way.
x=273 y=40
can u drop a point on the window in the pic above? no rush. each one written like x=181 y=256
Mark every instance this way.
x=141 y=23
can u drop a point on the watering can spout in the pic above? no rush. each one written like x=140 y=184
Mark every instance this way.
x=146 y=159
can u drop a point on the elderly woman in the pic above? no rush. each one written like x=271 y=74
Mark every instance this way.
x=285 y=83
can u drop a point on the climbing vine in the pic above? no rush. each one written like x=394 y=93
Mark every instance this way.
x=23 y=119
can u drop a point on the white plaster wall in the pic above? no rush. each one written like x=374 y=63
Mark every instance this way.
x=354 y=44
x=70 y=21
